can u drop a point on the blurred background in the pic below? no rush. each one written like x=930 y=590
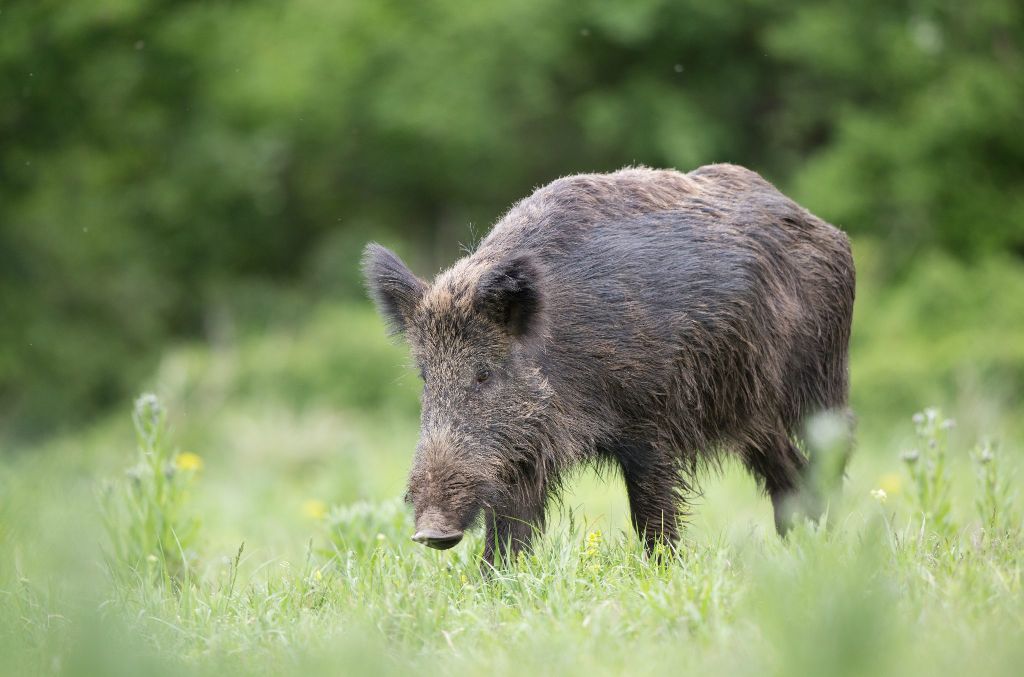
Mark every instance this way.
x=185 y=189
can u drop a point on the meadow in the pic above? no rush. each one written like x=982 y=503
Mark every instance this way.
x=246 y=518
x=204 y=431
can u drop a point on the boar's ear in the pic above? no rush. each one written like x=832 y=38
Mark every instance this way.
x=392 y=286
x=510 y=295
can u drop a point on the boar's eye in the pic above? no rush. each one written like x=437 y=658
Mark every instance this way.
x=482 y=375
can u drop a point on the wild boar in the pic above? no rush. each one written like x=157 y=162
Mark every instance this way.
x=646 y=320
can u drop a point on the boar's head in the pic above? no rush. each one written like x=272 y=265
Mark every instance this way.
x=475 y=335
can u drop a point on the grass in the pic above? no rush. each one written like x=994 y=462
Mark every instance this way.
x=246 y=523
x=922 y=578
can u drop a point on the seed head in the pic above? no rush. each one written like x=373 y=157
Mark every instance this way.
x=911 y=456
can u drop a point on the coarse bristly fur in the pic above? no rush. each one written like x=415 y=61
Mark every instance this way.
x=646 y=319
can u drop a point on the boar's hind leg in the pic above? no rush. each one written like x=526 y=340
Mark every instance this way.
x=781 y=467
x=654 y=486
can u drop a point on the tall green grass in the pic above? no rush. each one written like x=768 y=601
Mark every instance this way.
x=893 y=582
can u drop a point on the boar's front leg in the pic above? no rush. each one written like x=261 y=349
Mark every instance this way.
x=654 y=486
x=510 y=530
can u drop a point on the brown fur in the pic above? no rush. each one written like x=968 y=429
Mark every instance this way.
x=645 y=319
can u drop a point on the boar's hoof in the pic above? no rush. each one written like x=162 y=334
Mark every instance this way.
x=436 y=539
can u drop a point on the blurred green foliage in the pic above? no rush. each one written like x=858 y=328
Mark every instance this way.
x=160 y=160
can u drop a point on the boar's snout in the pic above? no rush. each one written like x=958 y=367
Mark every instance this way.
x=448 y=486
x=432 y=530
x=436 y=539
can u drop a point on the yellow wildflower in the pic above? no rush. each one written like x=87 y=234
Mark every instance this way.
x=891 y=483
x=186 y=460
x=314 y=509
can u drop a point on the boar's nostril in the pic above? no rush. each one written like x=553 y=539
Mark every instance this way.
x=436 y=539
